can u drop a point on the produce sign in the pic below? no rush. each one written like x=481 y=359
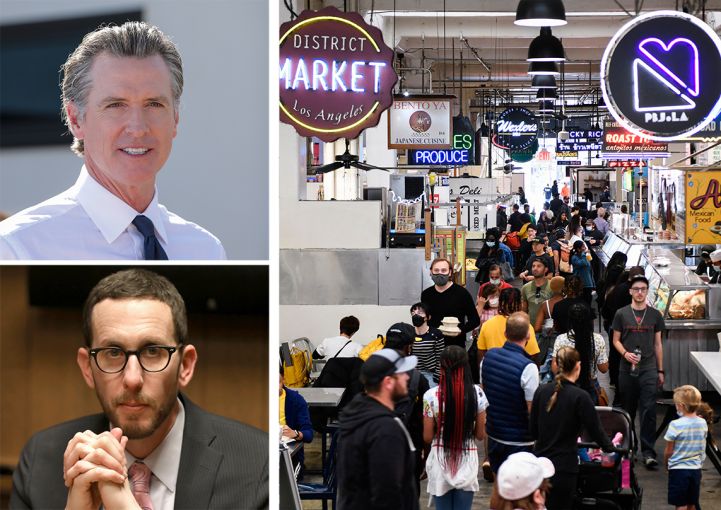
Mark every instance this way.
x=336 y=74
x=516 y=129
x=703 y=207
x=673 y=61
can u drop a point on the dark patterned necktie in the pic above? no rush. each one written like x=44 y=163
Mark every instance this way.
x=140 y=475
x=151 y=246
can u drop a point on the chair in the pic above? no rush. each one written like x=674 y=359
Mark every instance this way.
x=325 y=491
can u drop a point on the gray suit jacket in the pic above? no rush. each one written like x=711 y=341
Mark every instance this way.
x=223 y=464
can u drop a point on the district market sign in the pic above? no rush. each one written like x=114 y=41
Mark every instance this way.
x=673 y=61
x=336 y=74
x=516 y=129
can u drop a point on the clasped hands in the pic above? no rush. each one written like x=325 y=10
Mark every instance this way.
x=95 y=472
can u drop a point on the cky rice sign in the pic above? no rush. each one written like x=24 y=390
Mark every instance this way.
x=336 y=74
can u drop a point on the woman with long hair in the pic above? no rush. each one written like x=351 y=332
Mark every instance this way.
x=488 y=302
x=590 y=346
x=544 y=324
x=453 y=417
x=559 y=412
x=562 y=220
x=615 y=268
x=572 y=293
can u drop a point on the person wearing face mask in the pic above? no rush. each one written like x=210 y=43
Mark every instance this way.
x=446 y=299
x=581 y=262
x=715 y=257
x=592 y=235
x=487 y=304
x=494 y=278
x=704 y=267
x=428 y=344
x=492 y=252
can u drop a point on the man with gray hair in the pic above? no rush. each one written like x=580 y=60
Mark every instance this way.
x=121 y=91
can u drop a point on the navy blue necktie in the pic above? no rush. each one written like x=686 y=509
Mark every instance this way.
x=151 y=245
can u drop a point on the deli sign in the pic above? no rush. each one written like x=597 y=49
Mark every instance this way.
x=336 y=74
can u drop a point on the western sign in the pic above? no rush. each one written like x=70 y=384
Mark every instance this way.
x=673 y=61
x=336 y=74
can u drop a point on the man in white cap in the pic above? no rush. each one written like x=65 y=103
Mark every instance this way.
x=522 y=479
x=375 y=463
x=716 y=266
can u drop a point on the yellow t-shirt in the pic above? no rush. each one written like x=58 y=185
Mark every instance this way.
x=493 y=334
x=281 y=412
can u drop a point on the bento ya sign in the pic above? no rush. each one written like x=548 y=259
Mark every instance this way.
x=335 y=74
x=673 y=61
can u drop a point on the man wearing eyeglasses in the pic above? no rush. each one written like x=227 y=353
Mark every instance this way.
x=637 y=338
x=152 y=448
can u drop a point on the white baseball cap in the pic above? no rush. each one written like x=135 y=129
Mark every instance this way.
x=521 y=474
x=715 y=256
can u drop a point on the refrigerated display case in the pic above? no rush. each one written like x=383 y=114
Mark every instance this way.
x=691 y=312
x=633 y=248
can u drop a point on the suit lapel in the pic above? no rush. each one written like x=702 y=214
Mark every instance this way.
x=199 y=461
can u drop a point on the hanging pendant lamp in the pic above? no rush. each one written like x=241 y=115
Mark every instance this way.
x=540 y=13
x=544 y=81
x=550 y=68
x=546 y=107
x=546 y=48
x=546 y=95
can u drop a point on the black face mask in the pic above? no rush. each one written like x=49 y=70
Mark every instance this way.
x=418 y=320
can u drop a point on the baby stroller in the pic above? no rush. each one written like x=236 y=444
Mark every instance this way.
x=600 y=486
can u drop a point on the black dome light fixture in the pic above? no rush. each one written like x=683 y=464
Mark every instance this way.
x=549 y=68
x=546 y=107
x=540 y=13
x=546 y=48
x=546 y=95
x=544 y=81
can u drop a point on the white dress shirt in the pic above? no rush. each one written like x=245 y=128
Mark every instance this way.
x=164 y=462
x=88 y=222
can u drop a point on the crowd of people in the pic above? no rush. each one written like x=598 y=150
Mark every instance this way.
x=506 y=394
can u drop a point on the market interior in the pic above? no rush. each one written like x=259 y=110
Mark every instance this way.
x=489 y=110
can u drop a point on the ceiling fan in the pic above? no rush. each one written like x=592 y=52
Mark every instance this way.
x=345 y=160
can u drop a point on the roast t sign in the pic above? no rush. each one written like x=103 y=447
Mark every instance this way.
x=336 y=74
x=673 y=61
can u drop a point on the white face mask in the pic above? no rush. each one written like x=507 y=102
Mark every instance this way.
x=495 y=281
x=493 y=302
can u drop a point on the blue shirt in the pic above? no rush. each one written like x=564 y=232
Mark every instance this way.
x=689 y=450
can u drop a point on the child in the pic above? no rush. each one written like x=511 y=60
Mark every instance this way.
x=685 y=449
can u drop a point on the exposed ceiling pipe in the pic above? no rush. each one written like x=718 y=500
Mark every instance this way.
x=475 y=54
x=422 y=70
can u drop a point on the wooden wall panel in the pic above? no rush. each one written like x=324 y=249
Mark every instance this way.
x=41 y=385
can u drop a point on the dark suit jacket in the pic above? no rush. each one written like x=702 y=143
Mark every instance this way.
x=223 y=464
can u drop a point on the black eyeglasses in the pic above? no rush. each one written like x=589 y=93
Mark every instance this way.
x=152 y=358
x=538 y=291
